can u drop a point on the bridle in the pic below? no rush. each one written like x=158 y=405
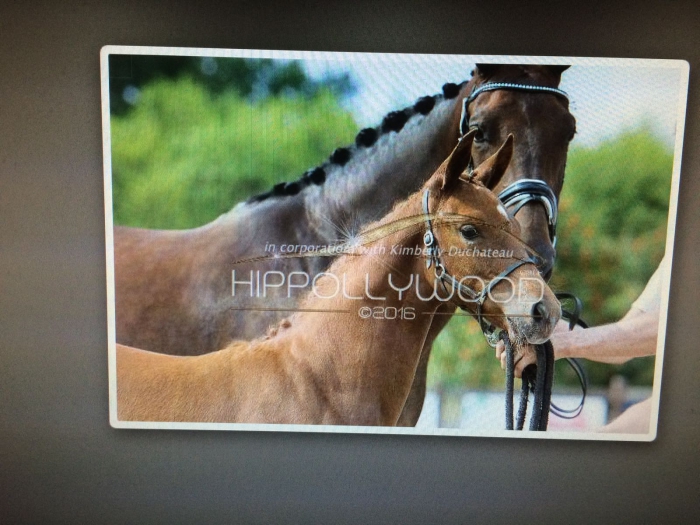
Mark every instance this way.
x=523 y=191
x=464 y=292
x=537 y=379
x=540 y=382
x=494 y=86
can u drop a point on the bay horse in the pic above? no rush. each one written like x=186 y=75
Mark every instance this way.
x=346 y=367
x=173 y=289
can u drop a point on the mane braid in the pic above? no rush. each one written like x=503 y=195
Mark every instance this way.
x=393 y=122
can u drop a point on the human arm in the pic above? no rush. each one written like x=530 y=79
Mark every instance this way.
x=634 y=335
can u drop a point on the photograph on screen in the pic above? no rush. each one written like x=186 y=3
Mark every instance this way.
x=452 y=245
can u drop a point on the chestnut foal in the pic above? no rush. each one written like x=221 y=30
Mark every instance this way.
x=350 y=355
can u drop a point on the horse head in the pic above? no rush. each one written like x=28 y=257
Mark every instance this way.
x=474 y=247
x=498 y=103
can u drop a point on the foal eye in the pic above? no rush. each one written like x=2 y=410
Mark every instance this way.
x=469 y=232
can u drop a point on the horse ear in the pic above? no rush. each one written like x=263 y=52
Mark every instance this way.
x=490 y=172
x=457 y=162
x=557 y=70
x=487 y=70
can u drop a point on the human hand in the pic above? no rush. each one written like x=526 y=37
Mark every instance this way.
x=522 y=357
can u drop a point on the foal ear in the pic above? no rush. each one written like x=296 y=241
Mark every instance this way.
x=457 y=162
x=490 y=172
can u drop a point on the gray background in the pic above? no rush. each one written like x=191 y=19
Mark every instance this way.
x=59 y=459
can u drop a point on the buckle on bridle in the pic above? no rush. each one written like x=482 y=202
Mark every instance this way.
x=439 y=270
x=491 y=333
x=429 y=241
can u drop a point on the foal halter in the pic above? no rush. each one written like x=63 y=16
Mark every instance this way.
x=444 y=277
x=522 y=191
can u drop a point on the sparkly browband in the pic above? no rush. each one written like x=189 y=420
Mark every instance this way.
x=493 y=86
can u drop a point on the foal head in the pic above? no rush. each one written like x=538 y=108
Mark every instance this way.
x=479 y=246
x=543 y=128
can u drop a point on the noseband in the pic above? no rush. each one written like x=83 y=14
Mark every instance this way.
x=523 y=191
x=444 y=277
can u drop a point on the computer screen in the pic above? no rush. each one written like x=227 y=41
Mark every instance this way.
x=130 y=131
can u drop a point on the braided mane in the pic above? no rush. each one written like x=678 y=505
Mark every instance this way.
x=393 y=122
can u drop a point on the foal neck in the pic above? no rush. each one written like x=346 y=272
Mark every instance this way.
x=370 y=337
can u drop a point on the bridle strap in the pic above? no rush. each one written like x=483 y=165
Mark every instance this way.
x=494 y=86
x=432 y=251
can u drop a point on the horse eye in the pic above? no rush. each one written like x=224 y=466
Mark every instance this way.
x=479 y=136
x=469 y=232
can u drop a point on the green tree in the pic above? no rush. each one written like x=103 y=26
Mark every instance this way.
x=183 y=156
x=249 y=78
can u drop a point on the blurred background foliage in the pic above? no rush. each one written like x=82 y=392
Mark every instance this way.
x=185 y=150
x=192 y=136
x=253 y=79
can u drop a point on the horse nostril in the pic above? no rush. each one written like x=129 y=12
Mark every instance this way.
x=539 y=311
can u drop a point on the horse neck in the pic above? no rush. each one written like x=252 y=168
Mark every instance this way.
x=377 y=177
x=373 y=359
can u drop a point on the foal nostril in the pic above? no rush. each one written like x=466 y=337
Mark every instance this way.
x=539 y=311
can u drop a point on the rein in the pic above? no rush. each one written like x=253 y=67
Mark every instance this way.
x=538 y=378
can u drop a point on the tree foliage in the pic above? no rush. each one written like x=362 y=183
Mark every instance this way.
x=253 y=79
x=183 y=156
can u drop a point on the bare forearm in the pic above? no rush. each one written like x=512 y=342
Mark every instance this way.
x=633 y=336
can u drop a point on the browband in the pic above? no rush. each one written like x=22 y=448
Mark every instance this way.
x=493 y=86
